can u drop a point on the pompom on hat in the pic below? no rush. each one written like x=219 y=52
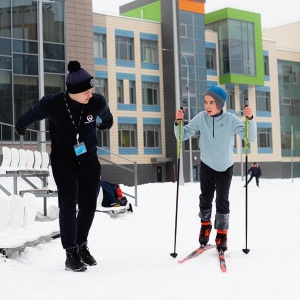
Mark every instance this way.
x=78 y=79
x=219 y=95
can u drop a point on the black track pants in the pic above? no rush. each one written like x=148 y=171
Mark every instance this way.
x=77 y=183
x=212 y=181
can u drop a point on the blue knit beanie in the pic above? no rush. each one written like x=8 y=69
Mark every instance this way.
x=219 y=95
x=78 y=79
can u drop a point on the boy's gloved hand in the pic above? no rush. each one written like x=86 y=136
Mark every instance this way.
x=179 y=115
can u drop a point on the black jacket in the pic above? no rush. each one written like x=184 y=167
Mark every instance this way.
x=255 y=171
x=62 y=130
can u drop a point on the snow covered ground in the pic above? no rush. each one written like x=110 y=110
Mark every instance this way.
x=133 y=250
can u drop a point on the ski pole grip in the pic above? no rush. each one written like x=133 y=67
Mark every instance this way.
x=180 y=119
x=182 y=109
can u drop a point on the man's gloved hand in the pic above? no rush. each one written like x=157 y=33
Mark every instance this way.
x=103 y=126
x=19 y=129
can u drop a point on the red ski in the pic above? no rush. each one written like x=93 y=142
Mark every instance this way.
x=195 y=253
x=222 y=261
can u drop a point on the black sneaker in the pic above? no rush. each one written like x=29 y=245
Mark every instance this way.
x=204 y=233
x=86 y=256
x=221 y=242
x=73 y=261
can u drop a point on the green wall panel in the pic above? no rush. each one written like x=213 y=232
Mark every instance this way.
x=147 y=12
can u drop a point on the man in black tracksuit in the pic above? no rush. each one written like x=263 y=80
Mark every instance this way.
x=255 y=172
x=76 y=168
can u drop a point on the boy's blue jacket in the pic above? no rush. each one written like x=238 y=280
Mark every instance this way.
x=217 y=137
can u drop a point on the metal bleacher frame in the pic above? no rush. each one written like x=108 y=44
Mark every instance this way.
x=36 y=144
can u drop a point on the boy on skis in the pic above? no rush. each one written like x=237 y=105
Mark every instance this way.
x=217 y=129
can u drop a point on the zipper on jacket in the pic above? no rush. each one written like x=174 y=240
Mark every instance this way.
x=214 y=121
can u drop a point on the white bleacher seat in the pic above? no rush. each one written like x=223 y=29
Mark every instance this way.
x=30 y=210
x=16 y=211
x=37 y=160
x=5 y=165
x=30 y=160
x=23 y=159
x=4 y=213
x=51 y=186
x=100 y=199
x=45 y=161
x=15 y=158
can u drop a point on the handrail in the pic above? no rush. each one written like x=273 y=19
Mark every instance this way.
x=134 y=171
x=11 y=140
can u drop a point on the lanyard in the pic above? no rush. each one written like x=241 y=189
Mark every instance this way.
x=71 y=117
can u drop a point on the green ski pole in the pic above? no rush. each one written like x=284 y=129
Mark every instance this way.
x=246 y=250
x=179 y=145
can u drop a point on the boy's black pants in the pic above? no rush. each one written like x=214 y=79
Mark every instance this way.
x=212 y=181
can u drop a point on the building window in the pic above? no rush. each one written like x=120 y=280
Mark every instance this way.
x=211 y=59
x=132 y=92
x=5 y=62
x=5 y=23
x=287 y=73
x=286 y=139
x=54 y=55
x=124 y=48
x=5 y=48
x=291 y=107
x=127 y=135
x=264 y=137
x=150 y=93
x=53 y=21
x=19 y=88
x=237 y=48
x=100 y=45
x=263 y=101
x=25 y=64
x=243 y=98
x=183 y=30
x=152 y=136
x=54 y=83
x=195 y=143
x=25 y=85
x=266 y=66
x=149 y=51
x=230 y=103
x=120 y=91
x=24 y=21
x=5 y=103
x=103 y=138
x=101 y=87
x=290 y=74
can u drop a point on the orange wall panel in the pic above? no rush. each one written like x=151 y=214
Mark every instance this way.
x=191 y=6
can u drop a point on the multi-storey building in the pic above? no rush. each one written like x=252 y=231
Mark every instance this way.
x=153 y=58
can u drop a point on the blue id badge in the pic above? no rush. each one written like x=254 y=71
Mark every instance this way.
x=79 y=149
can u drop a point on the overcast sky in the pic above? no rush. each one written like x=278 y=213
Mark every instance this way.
x=272 y=12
